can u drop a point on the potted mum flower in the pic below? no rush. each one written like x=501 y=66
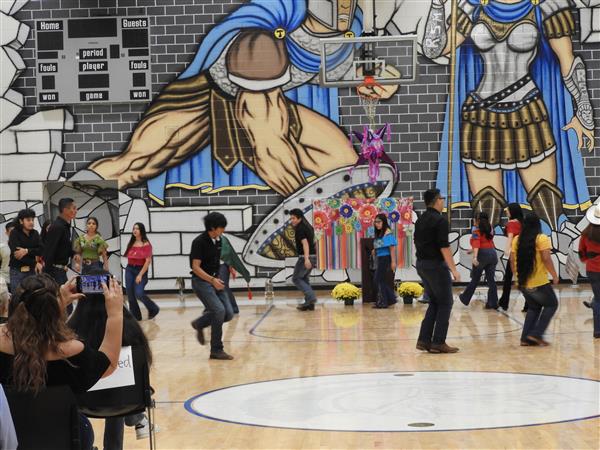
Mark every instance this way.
x=346 y=292
x=409 y=290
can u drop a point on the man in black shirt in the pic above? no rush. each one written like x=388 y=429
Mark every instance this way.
x=434 y=264
x=205 y=257
x=58 y=246
x=25 y=244
x=305 y=246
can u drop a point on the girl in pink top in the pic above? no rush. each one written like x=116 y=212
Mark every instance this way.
x=139 y=256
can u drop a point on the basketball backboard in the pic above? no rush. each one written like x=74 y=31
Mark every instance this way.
x=389 y=59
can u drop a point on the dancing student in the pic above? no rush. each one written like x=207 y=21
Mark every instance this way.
x=91 y=248
x=385 y=250
x=25 y=247
x=512 y=229
x=89 y=323
x=38 y=349
x=531 y=264
x=485 y=260
x=139 y=256
x=205 y=256
x=589 y=253
x=307 y=259
x=434 y=265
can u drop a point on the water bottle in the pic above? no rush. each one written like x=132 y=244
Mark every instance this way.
x=269 y=294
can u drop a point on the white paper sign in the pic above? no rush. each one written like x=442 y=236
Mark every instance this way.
x=122 y=376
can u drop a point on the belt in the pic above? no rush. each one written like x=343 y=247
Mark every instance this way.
x=60 y=266
x=88 y=262
x=25 y=269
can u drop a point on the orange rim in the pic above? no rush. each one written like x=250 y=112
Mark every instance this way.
x=369 y=82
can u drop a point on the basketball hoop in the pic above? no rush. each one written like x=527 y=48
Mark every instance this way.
x=369 y=101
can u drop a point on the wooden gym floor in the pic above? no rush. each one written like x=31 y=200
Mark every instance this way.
x=278 y=342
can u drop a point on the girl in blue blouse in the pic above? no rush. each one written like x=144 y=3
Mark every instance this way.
x=385 y=250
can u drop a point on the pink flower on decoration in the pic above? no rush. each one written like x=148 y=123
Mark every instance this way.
x=406 y=213
x=320 y=220
x=367 y=214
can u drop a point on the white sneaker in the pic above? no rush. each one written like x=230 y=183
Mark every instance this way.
x=142 y=429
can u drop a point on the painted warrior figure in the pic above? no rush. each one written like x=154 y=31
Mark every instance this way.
x=248 y=112
x=522 y=110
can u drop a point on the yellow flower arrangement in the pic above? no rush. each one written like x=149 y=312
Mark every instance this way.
x=345 y=291
x=410 y=289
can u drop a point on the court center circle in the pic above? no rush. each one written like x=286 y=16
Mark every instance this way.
x=386 y=402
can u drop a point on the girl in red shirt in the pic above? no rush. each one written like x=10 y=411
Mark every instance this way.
x=513 y=229
x=139 y=255
x=589 y=253
x=485 y=259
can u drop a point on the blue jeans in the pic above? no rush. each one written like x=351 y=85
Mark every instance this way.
x=386 y=294
x=438 y=284
x=136 y=292
x=595 y=281
x=300 y=278
x=218 y=311
x=488 y=258
x=224 y=275
x=542 y=304
x=16 y=276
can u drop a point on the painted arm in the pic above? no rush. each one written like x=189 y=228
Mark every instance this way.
x=547 y=259
x=574 y=75
x=436 y=42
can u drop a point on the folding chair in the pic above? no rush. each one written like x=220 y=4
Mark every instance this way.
x=46 y=421
x=124 y=401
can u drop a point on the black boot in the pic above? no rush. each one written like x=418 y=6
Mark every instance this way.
x=306 y=306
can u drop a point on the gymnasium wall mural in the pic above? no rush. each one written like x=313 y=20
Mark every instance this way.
x=238 y=119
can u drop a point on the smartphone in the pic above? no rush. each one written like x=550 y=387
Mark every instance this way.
x=91 y=284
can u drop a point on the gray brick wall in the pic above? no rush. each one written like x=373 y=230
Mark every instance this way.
x=416 y=112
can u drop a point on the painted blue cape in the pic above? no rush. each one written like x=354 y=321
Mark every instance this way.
x=201 y=171
x=545 y=71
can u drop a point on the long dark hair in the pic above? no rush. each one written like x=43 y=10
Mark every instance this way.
x=95 y=221
x=143 y=234
x=36 y=326
x=515 y=211
x=592 y=232
x=526 y=247
x=483 y=221
x=89 y=322
x=45 y=228
x=384 y=225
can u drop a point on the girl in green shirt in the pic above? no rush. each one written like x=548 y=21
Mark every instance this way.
x=92 y=248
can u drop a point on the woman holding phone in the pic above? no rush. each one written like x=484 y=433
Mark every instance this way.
x=139 y=256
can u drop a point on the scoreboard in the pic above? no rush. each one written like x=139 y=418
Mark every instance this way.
x=93 y=60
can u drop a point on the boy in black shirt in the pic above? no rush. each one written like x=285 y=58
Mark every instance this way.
x=434 y=266
x=25 y=245
x=205 y=257
x=58 y=245
x=305 y=246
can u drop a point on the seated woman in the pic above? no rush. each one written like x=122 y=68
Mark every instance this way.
x=89 y=321
x=37 y=349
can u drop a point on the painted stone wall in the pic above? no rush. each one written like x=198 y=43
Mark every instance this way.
x=39 y=144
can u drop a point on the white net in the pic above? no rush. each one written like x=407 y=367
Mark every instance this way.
x=369 y=104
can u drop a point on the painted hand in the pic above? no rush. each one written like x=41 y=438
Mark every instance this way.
x=383 y=92
x=581 y=132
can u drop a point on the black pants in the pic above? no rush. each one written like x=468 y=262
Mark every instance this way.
x=438 y=284
x=506 y=286
x=542 y=304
